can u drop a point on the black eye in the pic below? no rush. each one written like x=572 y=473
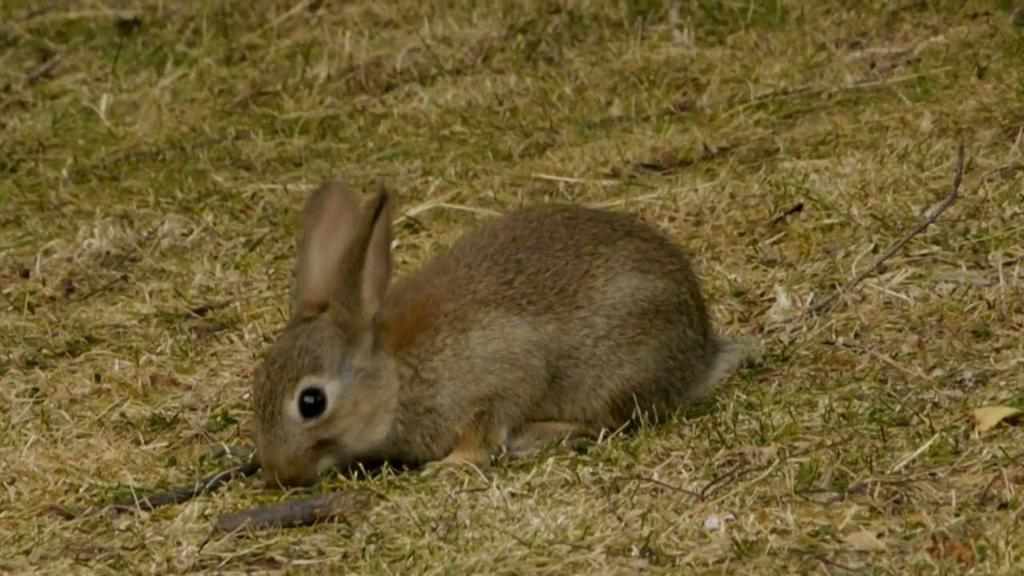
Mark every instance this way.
x=312 y=403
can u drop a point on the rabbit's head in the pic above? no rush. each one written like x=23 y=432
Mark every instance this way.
x=326 y=391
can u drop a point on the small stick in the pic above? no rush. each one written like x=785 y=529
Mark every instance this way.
x=570 y=180
x=43 y=69
x=108 y=285
x=910 y=458
x=467 y=208
x=926 y=222
x=811 y=90
x=185 y=493
x=630 y=200
x=795 y=209
x=666 y=485
x=294 y=513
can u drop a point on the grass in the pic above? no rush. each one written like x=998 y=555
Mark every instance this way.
x=155 y=156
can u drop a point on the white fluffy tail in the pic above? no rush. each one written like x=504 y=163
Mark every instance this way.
x=731 y=354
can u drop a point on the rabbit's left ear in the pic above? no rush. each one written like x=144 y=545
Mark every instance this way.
x=330 y=225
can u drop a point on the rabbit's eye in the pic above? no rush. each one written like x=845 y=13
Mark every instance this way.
x=312 y=403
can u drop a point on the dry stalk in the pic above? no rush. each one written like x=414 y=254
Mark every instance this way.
x=930 y=217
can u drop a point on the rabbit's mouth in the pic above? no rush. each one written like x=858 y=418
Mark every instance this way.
x=329 y=456
x=327 y=462
x=303 y=468
x=300 y=477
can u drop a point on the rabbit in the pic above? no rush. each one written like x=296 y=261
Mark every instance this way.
x=549 y=323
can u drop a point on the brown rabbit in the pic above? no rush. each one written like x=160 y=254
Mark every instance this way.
x=550 y=322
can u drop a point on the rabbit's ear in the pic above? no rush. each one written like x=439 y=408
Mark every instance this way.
x=331 y=222
x=376 y=270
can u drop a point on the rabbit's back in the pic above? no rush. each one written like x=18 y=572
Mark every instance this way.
x=567 y=313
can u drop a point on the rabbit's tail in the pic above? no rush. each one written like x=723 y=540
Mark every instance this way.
x=729 y=355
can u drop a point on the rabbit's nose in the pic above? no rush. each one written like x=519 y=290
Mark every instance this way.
x=280 y=470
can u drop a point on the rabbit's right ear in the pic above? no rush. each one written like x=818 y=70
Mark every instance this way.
x=375 y=274
x=330 y=224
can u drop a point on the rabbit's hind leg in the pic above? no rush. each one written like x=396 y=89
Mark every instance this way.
x=533 y=437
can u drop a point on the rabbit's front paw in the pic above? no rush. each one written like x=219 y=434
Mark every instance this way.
x=459 y=460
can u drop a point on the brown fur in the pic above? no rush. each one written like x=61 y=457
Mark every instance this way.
x=548 y=322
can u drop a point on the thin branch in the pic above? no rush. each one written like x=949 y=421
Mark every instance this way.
x=106 y=286
x=185 y=493
x=629 y=199
x=438 y=62
x=913 y=455
x=43 y=70
x=570 y=180
x=304 y=512
x=794 y=209
x=812 y=90
x=930 y=218
x=666 y=485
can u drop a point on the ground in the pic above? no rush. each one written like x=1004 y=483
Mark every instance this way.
x=155 y=157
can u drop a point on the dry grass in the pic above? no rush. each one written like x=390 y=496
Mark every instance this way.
x=155 y=156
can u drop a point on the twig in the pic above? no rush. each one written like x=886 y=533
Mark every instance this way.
x=812 y=90
x=913 y=455
x=929 y=219
x=741 y=470
x=125 y=258
x=794 y=209
x=570 y=180
x=185 y=493
x=887 y=360
x=415 y=211
x=467 y=208
x=42 y=70
x=293 y=513
x=438 y=62
x=106 y=286
x=820 y=557
x=38 y=17
x=666 y=485
x=628 y=200
x=738 y=470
